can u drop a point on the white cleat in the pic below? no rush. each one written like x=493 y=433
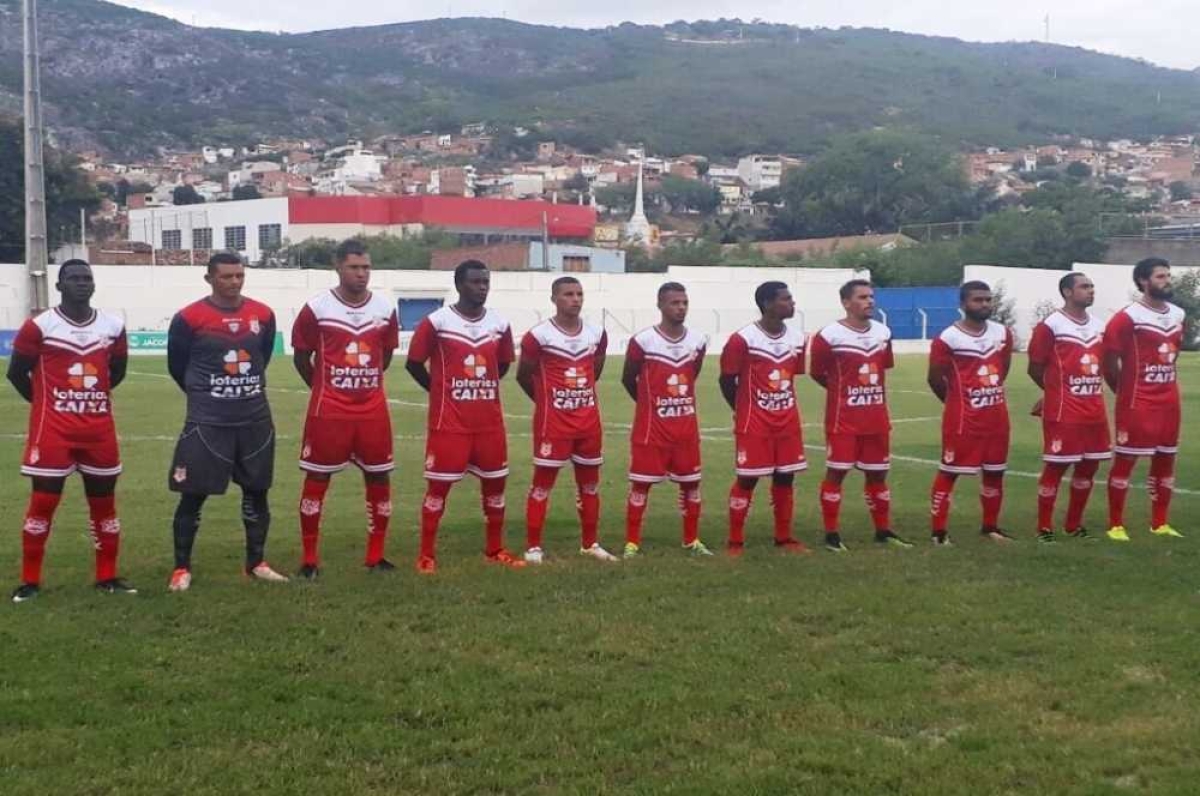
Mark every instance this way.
x=262 y=571
x=599 y=553
x=534 y=555
x=181 y=580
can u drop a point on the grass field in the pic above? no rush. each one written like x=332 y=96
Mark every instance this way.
x=977 y=669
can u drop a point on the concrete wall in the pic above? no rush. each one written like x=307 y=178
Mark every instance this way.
x=1130 y=250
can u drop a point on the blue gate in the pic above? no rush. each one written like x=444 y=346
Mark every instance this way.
x=413 y=311
x=909 y=311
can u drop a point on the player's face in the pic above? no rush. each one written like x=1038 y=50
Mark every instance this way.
x=674 y=306
x=475 y=285
x=1159 y=284
x=783 y=306
x=76 y=284
x=227 y=280
x=1083 y=293
x=568 y=300
x=354 y=274
x=861 y=303
x=978 y=305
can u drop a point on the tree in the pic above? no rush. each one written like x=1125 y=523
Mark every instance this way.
x=685 y=194
x=1079 y=170
x=245 y=191
x=186 y=195
x=67 y=191
x=1035 y=238
x=125 y=189
x=1180 y=191
x=874 y=182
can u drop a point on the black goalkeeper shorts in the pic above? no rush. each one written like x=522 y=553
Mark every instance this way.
x=206 y=457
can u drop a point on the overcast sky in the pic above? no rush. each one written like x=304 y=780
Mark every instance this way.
x=1161 y=31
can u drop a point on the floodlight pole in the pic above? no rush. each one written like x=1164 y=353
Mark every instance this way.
x=37 y=255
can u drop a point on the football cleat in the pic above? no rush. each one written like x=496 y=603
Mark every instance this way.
x=115 y=586
x=1166 y=530
x=697 y=548
x=382 y=565
x=1117 y=533
x=1080 y=533
x=791 y=545
x=534 y=555
x=941 y=539
x=181 y=580
x=735 y=549
x=996 y=535
x=891 y=539
x=1046 y=537
x=833 y=543
x=505 y=558
x=309 y=572
x=632 y=550
x=597 y=552
x=427 y=565
x=262 y=571
x=25 y=592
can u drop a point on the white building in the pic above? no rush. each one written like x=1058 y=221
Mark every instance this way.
x=760 y=172
x=246 y=227
x=246 y=173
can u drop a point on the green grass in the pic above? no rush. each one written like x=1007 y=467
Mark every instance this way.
x=978 y=669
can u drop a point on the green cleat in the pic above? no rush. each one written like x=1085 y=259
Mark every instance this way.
x=632 y=550
x=891 y=539
x=697 y=548
x=1166 y=530
x=1117 y=533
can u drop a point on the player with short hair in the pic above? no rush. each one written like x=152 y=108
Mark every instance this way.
x=218 y=349
x=968 y=364
x=343 y=341
x=758 y=366
x=561 y=361
x=662 y=364
x=469 y=349
x=66 y=362
x=850 y=359
x=1141 y=346
x=1065 y=353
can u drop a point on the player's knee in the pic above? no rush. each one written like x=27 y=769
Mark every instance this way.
x=783 y=479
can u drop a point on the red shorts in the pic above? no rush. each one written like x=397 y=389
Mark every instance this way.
x=1068 y=443
x=1145 y=432
x=450 y=456
x=756 y=456
x=557 y=452
x=864 y=451
x=652 y=464
x=967 y=454
x=329 y=445
x=55 y=455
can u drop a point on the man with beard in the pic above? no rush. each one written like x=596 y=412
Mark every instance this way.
x=1141 y=345
x=968 y=364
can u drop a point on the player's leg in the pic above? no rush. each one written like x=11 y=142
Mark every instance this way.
x=373 y=452
x=489 y=462
x=647 y=466
x=254 y=472
x=1136 y=438
x=1048 y=485
x=1118 y=491
x=433 y=506
x=873 y=455
x=184 y=527
x=741 y=496
x=201 y=466
x=312 y=506
x=1082 y=479
x=325 y=449
x=105 y=530
x=549 y=456
x=788 y=459
x=1160 y=485
x=35 y=532
x=446 y=457
x=840 y=454
x=991 y=486
x=587 y=455
x=683 y=467
x=256 y=521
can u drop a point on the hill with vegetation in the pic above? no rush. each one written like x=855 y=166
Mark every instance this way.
x=130 y=81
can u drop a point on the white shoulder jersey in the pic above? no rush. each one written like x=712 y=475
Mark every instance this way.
x=553 y=340
x=58 y=331
x=785 y=347
x=331 y=310
x=661 y=348
x=841 y=337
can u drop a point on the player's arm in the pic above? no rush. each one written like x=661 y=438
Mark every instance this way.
x=267 y=340
x=420 y=349
x=302 y=360
x=505 y=353
x=938 y=376
x=391 y=339
x=1117 y=335
x=306 y=337
x=179 y=350
x=118 y=361
x=822 y=359
x=732 y=356
x=527 y=367
x=1006 y=358
x=701 y=352
x=601 y=355
x=20 y=374
x=634 y=357
x=1039 y=348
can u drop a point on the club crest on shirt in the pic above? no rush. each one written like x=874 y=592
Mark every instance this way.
x=1055 y=446
x=255 y=327
x=429 y=460
x=1122 y=437
x=741 y=456
x=180 y=475
x=546 y=449
x=34 y=455
x=234 y=326
x=948 y=457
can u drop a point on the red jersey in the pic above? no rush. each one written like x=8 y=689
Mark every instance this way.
x=854 y=363
x=1148 y=343
x=1070 y=350
x=666 y=402
x=464 y=356
x=564 y=387
x=765 y=366
x=349 y=341
x=71 y=375
x=977 y=365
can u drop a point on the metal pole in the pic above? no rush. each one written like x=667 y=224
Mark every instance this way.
x=545 y=241
x=37 y=255
x=83 y=230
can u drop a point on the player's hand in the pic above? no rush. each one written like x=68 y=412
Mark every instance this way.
x=1036 y=411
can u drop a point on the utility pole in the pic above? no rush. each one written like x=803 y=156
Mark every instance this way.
x=36 y=253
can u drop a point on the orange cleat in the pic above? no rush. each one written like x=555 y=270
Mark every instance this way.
x=427 y=565
x=735 y=549
x=792 y=546
x=506 y=558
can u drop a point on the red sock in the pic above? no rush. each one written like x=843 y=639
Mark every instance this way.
x=537 y=502
x=635 y=510
x=1081 y=489
x=312 y=503
x=587 y=502
x=991 y=496
x=783 y=501
x=1161 y=486
x=1052 y=474
x=879 y=503
x=379 y=512
x=689 y=507
x=105 y=530
x=831 y=505
x=39 y=517
x=432 y=509
x=940 y=500
x=492 y=498
x=1118 y=488
x=740 y=499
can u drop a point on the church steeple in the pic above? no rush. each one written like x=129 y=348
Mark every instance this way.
x=638 y=228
